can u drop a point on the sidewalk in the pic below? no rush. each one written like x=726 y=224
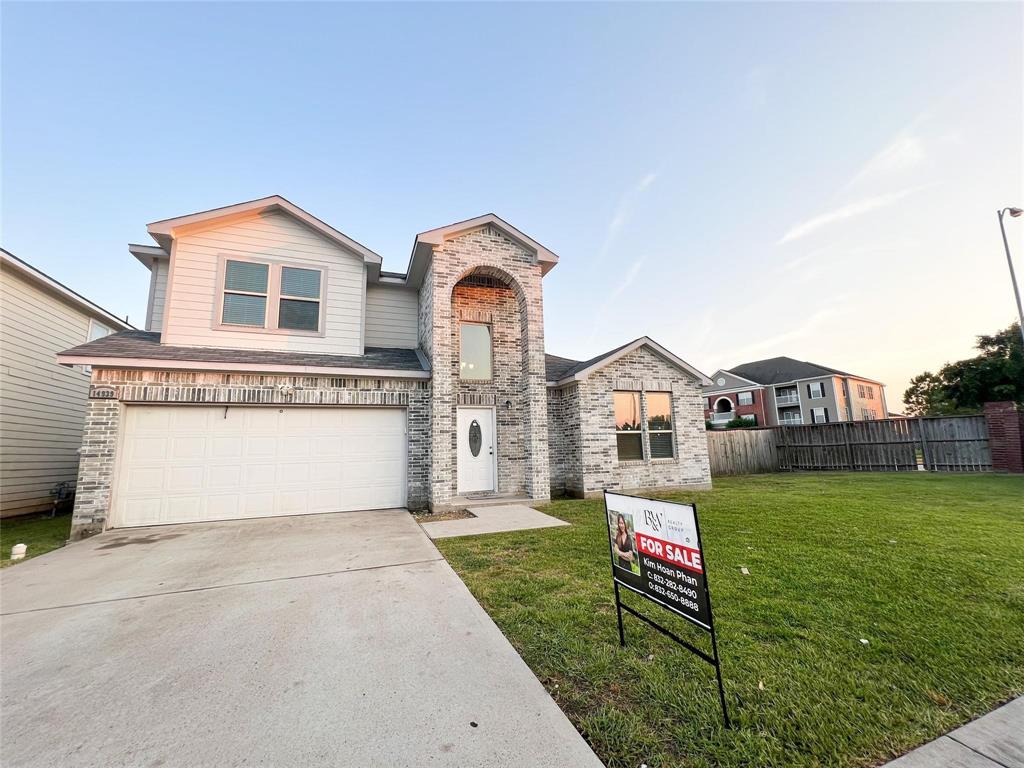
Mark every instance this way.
x=993 y=741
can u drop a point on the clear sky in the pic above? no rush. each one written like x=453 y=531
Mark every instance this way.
x=737 y=181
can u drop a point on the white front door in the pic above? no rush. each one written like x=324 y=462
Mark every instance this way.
x=475 y=463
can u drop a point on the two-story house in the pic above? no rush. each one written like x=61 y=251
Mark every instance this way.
x=782 y=390
x=283 y=371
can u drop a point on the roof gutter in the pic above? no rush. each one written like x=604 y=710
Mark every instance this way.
x=220 y=367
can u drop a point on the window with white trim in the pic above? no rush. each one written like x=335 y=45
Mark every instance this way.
x=868 y=415
x=816 y=390
x=819 y=415
x=871 y=393
x=659 y=424
x=745 y=398
x=272 y=296
x=860 y=391
x=628 y=426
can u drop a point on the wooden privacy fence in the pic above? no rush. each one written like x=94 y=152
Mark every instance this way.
x=742 y=451
x=942 y=443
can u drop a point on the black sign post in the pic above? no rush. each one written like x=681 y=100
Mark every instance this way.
x=656 y=551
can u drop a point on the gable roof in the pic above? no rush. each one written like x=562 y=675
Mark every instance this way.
x=778 y=370
x=163 y=231
x=10 y=261
x=729 y=381
x=561 y=370
x=423 y=245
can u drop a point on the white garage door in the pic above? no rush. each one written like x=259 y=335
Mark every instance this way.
x=183 y=464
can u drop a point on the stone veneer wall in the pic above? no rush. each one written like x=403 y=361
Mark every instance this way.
x=488 y=252
x=642 y=370
x=565 y=444
x=103 y=417
x=489 y=301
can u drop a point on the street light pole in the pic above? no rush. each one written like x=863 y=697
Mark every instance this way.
x=1014 y=212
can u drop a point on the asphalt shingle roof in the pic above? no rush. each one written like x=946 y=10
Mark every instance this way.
x=146 y=344
x=776 y=370
x=558 y=368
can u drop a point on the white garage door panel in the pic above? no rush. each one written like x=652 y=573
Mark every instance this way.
x=181 y=464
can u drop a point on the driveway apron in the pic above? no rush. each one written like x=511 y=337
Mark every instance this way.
x=324 y=640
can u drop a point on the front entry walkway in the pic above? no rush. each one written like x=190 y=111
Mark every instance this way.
x=508 y=517
x=326 y=640
x=993 y=741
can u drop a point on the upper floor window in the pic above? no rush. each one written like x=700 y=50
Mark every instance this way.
x=628 y=426
x=816 y=391
x=475 y=352
x=860 y=391
x=819 y=415
x=98 y=330
x=659 y=424
x=272 y=296
x=245 y=293
x=299 y=307
x=871 y=393
x=745 y=398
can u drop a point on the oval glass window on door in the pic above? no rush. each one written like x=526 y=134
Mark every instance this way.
x=475 y=438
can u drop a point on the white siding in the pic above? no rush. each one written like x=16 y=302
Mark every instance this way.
x=157 y=295
x=42 y=404
x=192 y=301
x=391 y=317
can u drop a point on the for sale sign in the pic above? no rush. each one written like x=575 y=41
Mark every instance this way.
x=656 y=551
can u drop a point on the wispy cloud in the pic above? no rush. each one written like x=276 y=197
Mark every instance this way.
x=906 y=151
x=631 y=275
x=848 y=211
x=808 y=327
x=623 y=210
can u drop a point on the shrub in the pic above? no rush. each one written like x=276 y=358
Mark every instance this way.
x=740 y=423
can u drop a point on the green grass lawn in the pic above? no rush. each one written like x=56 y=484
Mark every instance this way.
x=929 y=569
x=40 y=532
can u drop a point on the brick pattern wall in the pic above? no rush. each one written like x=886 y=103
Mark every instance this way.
x=489 y=301
x=642 y=370
x=757 y=409
x=102 y=424
x=565 y=444
x=487 y=252
x=1005 y=422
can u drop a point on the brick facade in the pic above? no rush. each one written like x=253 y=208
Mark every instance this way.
x=103 y=419
x=1005 y=422
x=548 y=440
x=591 y=408
x=488 y=253
x=757 y=409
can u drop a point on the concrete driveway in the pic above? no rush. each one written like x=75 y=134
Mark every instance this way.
x=341 y=640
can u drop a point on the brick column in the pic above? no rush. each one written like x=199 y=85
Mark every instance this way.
x=95 y=468
x=1006 y=436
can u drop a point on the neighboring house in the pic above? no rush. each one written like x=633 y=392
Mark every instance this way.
x=782 y=390
x=282 y=372
x=42 y=404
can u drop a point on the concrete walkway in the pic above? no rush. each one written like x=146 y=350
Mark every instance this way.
x=323 y=640
x=507 y=517
x=993 y=741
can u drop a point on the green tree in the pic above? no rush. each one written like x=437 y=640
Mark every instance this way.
x=965 y=386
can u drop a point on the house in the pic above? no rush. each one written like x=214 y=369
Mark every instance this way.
x=283 y=371
x=782 y=390
x=42 y=403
